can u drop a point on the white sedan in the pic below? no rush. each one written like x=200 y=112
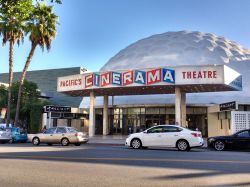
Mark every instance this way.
x=166 y=136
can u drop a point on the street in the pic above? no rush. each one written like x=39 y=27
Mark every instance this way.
x=102 y=165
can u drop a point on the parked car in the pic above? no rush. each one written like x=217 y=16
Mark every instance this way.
x=5 y=135
x=239 y=140
x=4 y=125
x=18 y=135
x=60 y=135
x=166 y=136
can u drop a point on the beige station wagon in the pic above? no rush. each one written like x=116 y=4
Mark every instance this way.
x=60 y=135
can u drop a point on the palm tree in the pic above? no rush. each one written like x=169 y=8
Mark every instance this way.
x=42 y=29
x=13 y=17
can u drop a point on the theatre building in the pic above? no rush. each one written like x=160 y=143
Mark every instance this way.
x=192 y=79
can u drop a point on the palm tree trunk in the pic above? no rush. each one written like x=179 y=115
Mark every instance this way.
x=11 y=51
x=23 y=75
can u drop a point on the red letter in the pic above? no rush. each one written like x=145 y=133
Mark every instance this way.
x=183 y=74
x=89 y=80
x=128 y=77
x=62 y=84
x=210 y=74
x=199 y=75
x=215 y=75
x=154 y=76
x=105 y=79
x=194 y=74
x=204 y=74
x=79 y=81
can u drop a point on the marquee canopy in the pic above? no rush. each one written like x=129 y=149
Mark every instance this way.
x=157 y=80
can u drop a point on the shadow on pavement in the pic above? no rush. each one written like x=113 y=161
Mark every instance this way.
x=231 y=185
x=186 y=176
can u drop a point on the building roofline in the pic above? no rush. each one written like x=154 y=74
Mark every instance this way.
x=81 y=68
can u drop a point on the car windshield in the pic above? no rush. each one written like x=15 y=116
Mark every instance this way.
x=71 y=129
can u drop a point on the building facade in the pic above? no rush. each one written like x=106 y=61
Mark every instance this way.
x=135 y=112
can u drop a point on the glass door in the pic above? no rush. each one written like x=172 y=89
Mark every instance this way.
x=117 y=126
x=133 y=125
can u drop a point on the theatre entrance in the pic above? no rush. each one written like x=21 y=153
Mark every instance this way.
x=123 y=121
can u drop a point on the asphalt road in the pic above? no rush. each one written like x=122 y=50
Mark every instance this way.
x=99 y=165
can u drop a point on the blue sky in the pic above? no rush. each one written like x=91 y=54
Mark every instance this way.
x=92 y=31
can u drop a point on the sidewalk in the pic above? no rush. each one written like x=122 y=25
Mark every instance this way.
x=108 y=140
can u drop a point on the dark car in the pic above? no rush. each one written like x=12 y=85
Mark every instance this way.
x=239 y=140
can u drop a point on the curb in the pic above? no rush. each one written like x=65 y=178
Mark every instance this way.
x=117 y=144
x=105 y=144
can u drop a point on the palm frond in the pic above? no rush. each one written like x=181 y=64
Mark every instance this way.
x=13 y=17
x=43 y=26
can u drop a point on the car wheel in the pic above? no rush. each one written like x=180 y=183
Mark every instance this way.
x=219 y=145
x=36 y=141
x=183 y=145
x=77 y=144
x=65 y=142
x=11 y=140
x=136 y=143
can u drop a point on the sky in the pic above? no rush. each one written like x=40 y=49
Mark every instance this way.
x=93 y=31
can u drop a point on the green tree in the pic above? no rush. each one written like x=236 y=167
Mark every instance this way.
x=32 y=105
x=3 y=96
x=13 y=18
x=42 y=28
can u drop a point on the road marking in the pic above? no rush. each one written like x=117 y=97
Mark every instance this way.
x=126 y=159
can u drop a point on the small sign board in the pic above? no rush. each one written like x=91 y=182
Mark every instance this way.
x=229 y=106
x=51 y=108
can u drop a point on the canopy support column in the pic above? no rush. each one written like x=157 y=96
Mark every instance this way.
x=105 y=114
x=92 y=114
x=180 y=107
